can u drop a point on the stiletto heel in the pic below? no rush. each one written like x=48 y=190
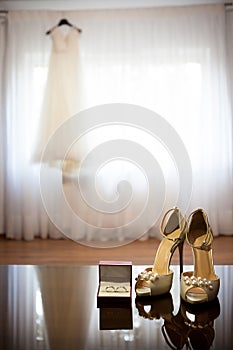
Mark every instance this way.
x=158 y=279
x=181 y=246
x=202 y=284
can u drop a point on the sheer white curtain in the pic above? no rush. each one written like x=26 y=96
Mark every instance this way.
x=169 y=60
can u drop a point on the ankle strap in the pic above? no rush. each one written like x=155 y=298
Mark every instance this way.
x=206 y=244
x=182 y=223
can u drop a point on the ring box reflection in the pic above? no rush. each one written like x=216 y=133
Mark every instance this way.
x=113 y=318
x=115 y=283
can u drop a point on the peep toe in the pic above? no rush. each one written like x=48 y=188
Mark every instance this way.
x=202 y=284
x=158 y=279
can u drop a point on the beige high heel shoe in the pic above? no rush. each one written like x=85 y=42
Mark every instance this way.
x=202 y=284
x=158 y=279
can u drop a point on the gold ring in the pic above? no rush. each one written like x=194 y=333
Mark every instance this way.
x=121 y=289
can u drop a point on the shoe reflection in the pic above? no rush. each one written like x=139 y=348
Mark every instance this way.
x=158 y=306
x=192 y=327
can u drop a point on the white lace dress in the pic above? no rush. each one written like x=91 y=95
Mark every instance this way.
x=62 y=98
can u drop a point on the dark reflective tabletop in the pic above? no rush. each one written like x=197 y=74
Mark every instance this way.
x=55 y=307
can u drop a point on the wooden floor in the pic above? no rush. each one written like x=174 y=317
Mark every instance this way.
x=59 y=252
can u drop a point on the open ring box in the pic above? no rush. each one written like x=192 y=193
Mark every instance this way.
x=115 y=283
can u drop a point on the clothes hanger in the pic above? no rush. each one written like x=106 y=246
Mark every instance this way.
x=62 y=22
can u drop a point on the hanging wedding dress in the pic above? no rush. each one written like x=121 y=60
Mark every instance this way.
x=62 y=98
